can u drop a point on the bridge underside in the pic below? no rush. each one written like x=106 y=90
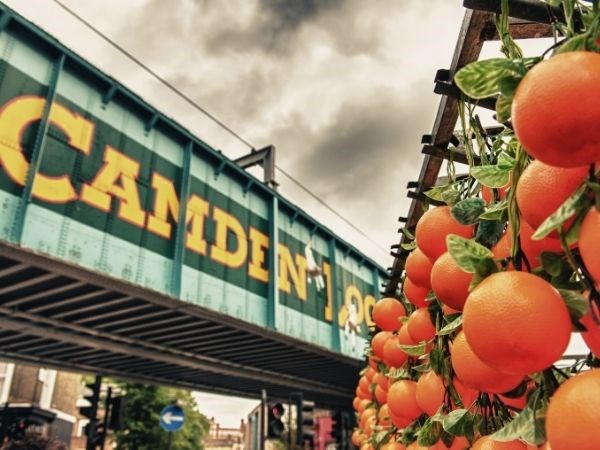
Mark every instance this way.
x=56 y=314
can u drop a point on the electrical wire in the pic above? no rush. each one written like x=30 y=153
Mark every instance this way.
x=195 y=105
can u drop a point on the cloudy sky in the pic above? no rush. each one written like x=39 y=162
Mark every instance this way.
x=342 y=88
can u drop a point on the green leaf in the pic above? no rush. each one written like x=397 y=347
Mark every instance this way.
x=430 y=433
x=552 y=263
x=484 y=269
x=523 y=427
x=571 y=206
x=451 y=327
x=489 y=232
x=399 y=374
x=503 y=108
x=467 y=211
x=480 y=79
x=577 y=304
x=414 y=350
x=506 y=161
x=576 y=43
x=457 y=422
x=496 y=212
x=491 y=176
x=436 y=192
x=466 y=252
x=422 y=368
x=450 y=197
x=437 y=359
x=409 y=245
x=408 y=234
x=507 y=86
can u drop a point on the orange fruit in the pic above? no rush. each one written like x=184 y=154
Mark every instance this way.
x=415 y=446
x=399 y=421
x=418 y=268
x=369 y=374
x=363 y=405
x=364 y=384
x=373 y=361
x=447 y=310
x=363 y=394
x=383 y=417
x=402 y=399
x=366 y=414
x=356 y=403
x=592 y=336
x=466 y=394
x=366 y=445
x=430 y=392
x=543 y=188
x=487 y=193
x=393 y=445
x=486 y=443
x=555 y=111
x=393 y=355
x=518 y=402
x=497 y=322
x=432 y=229
x=414 y=293
x=449 y=282
x=379 y=341
x=459 y=443
x=358 y=438
x=589 y=244
x=531 y=247
x=369 y=425
x=574 y=413
x=381 y=380
x=475 y=374
x=419 y=325
x=387 y=313
x=380 y=395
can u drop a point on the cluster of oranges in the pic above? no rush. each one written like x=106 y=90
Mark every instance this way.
x=480 y=352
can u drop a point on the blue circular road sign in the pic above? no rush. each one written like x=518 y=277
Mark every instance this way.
x=171 y=418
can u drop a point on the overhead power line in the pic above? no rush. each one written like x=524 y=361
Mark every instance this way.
x=195 y=105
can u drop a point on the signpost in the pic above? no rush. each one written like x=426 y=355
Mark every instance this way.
x=171 y=419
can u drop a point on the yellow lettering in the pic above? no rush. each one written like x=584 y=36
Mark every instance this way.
x=369 y=302
x=225 y=223
x=260 y=243
x=296 y=271
x=116 y=179
x=165 y=202
x=195 y=215
x=15 y=116
x=328 y=282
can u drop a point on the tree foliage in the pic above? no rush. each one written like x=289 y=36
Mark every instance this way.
x=141 y=429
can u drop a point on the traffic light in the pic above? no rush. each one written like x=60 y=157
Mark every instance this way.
x=89 y=408
x=117 y=412
x=275 y=426
x=339 y=431
x=306 y=422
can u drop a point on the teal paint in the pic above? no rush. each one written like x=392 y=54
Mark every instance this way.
x=38 y=150
x=101 y=240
